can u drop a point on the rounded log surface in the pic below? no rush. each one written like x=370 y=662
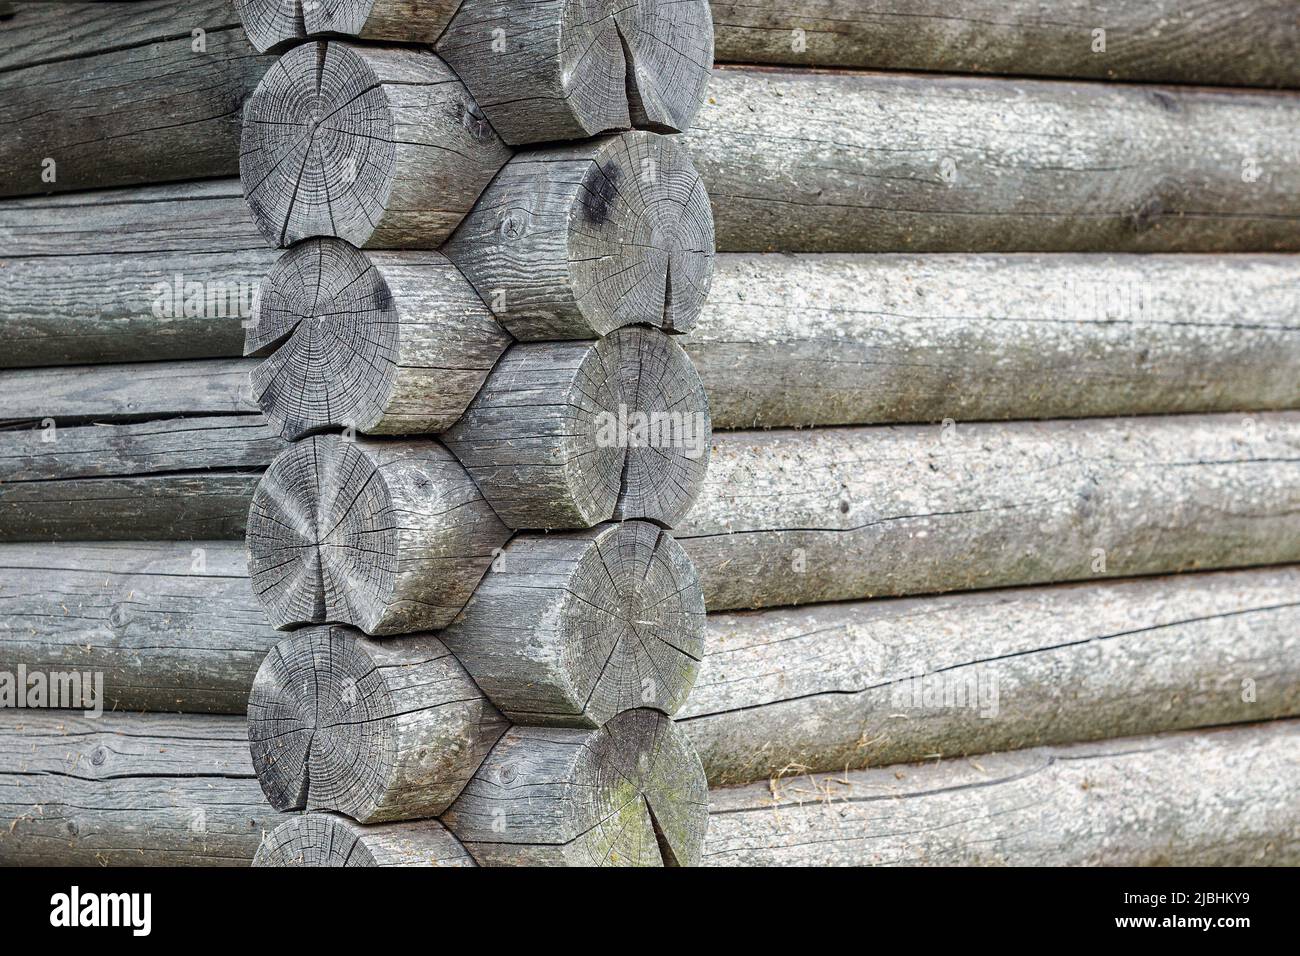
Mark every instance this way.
x=388 y=536
x=630 y=794
x=379 y=731
x=380 y=146
x=570 y=630
x=574 y=241
x=568 y=69
x=569 y=434
x=384 y=342
x=325 y=839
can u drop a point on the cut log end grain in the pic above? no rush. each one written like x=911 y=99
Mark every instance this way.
x=632 y=793
x=573 y=242
x=326 y=839
x=381 y=147
x=576 y=68
x=387 y=343
x=570 y=434
x=570 y=630
x=390 y=537
x=276 y=23
x=378 y=731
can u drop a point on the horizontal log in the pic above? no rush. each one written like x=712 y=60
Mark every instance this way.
x=41 y=32
x=570 y=434
x=388 y=536
x=835 y=340
x=379 y=731
x=916 y=338
x=127 y=790
x=205 y=217
x=134 y=108
x=840 y=514
x=629 y=794
x=1204 y=798
x=174 y=479
x=130 y=392
x=1239 y=42
x=549 y=70
x=171 y=626
x=393 y=343
x=380 y=146
x=153 y=789
x=817 y=162
x=837 y=686
x=328 y=839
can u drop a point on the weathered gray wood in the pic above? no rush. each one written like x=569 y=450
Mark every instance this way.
x=127 y=790
x=278 y=23
x=207 y=217
x=380 y=146
x=572 y=242
x=547 y=70
x=630 y=794
x=134 y=110
x=1238 y=42
x=379 y=731
x=129 y=392
x=73 y=309
x=171 y=626
x=569 y=434
x=830 y=340
x=839 y=514
x=43 y=32
x=394 y=343
x=1206 y=798
x=570 y=630
x=835 y=686
x=388 y=536
x=816 y=162
x=166 y=478
x=327 y=839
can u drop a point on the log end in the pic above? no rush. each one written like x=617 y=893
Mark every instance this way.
x=325 y=839
x=632 y=793
x=573 y=630
x=379 y=732
x=619 y=66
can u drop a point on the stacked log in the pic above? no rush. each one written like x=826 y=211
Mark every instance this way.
x=519 y=305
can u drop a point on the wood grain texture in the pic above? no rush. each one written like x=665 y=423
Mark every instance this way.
x=279 y=23
x=380 y=146
x=572 y=242
x=1205 y=798
x=379 y=731
x=388 y=536
x=549 y=70
x=388 y=343
x=127 y=790
x=172 y=626
x=1170 y=41
x=817 y=162
x=328 y=839
x=790 y=341
x=43 y=32
x=206 y=217
x=129 y=392
x=836 y=686
x=170 y=479
x=839 y=514
x=139 y=110
x=630 y=794
x=570 y=630
x=570 y=434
